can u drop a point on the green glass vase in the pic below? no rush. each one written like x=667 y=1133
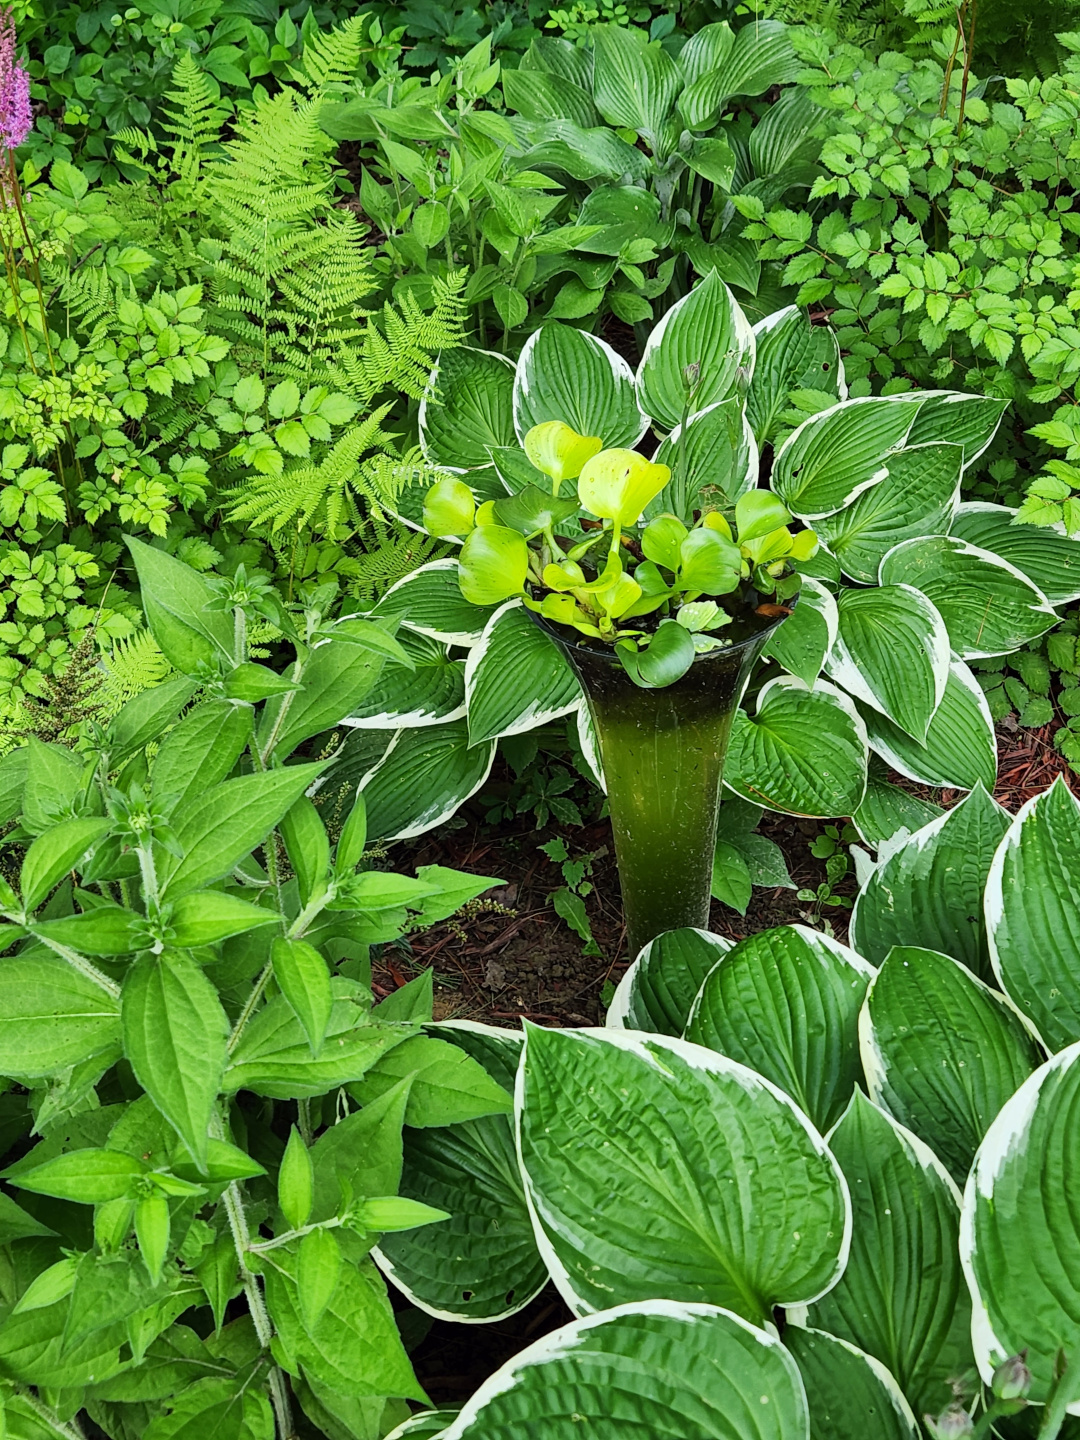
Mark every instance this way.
x=663 y=756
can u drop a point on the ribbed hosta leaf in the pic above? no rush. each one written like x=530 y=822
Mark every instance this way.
x=716 y=462
x=805 y=638
x=425 y=1425
x=887 y=810
x=760 y=57
x=942 y=1052
x=566 y=374
x=901 y=1297
x=634 y=84
x=649 y=1163
x=1033 y=914
x=1049 y=560
x=786 y=1003
x=989 y=607
x=705 y=328
x=657 y=992
x=516 y=678
x=918 y=497
x=849 y=1392
x=482 y=1264
x=400 y=698
x=929 y=891
x=658 y=1369
x=792 y=355
x=892 y=651
x=838 y=453
x=1020 y=1235
x=423 y=778
x=970 y=421
x=960 y=748
x=469 y=406
x=431 y=603
x=803 y=752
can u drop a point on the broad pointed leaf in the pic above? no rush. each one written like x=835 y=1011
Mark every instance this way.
x=430 y=602
x=431 y=693
x=468 y=407
x=761 y=56
x=961 y=746
x=51 y=1016
x=1049 y=559
x=714 y=463
x=970 y=421
x=423 y=778
x=566 y=374
x=837 y=454
x=516 y=678
x=792 y=355
x=635 y=84
x=657 y=992
x=849 y=1392
x=707 y=329
x=802 y=643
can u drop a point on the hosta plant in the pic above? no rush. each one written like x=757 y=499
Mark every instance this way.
x=203 y=1108
x=761 y=1157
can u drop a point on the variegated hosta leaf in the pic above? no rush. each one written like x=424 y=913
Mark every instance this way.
x=482 y=1264
x=837 y=454
x=942 y=1052
x=654 y=1369
x=849 y=1392
x=902 y=1297
x=792 y=355
x=1033 y=914
x=929 y=890
x=425 y=1425
x=805 y=638
x=887 y=810
x=918 y=497
x=803 y=752
x=970 y=421
x=960 y=748
x=431 y=603
x=649 y=1164
x=468 y=407
x=715 y=464
x=706 y=328
x=1020 y=1234
x=989 y=607
x=516 y=678
x=1049 y=559
x=892 y=651
x=425 y=775
x=566 y=374
x=400 y=699
x=657 y=992
x=786 y=1002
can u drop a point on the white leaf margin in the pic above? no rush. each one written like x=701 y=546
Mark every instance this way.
x=536 y=713
x=620 y=368
x=429 y=396
x=627 y=988
x=438 y=813
x=963 y=675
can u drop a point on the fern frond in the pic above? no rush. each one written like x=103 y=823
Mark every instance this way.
x=191 y=120
x=383 y=553
x=333 y=58
x=130 y=667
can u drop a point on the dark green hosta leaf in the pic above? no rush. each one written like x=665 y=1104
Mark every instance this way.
x=803 y=752
x=425 y=775
x=516 y=678
x=200 y=751
x=960 y=748
x=176 y=599
x=225 y=823
x=988 y=606
x=929 y=890
x=803 y=641
x=537 y=96
x=901 y=1297
x=566 y=374
x=706 y=328
x=837 y=454
x=792 y=355
x=892 y=651
x=1033 y=914
x=786 y=1003
x=532 y=509
x=468 y=408
x=761 y=56
x=918 y=497
x=654 y=1369
x=596 y=153
x=646 y=1158
x=785 y=133
x=942 y=1052
x=970 y=421
x=1049 y=560
x=657 y=992
x=174 y=1036
x=626 y=213
x=430 y=602
x=1020 y=1236
x=849 y=1392
x=887 y=809
x=482 y=1264
x=635 y=84
x=716 y=461
x=51 y=1016
x=448 y=1085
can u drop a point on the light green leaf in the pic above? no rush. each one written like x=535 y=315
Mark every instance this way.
x=200 y=751
x=803 y=752
x=928 y=891
x=175 y=599
x=304 y=979
x=1051 y=561
x=892 y=651
x=336 y=677
x=786 y=1003
x=901 y=1297
x=849 y=1392
x=657 y=992
x=210 y=917
x=51 y=779
x=1020 y=1236
x=516 y=678
x=51 y=1016
x=645 y=1158
x=654 y=1368
x=54 y=853
x=706 y=328
x=423 y=778
x=174 y=1036
x=1033 y=914
x=942 y=1052
x=88 y=1176
x=837 y=454
x=448 y=1085
x=569 y=375
x=468 y=407
x=960 y=748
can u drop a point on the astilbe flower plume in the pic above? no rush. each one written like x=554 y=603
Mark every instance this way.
x=16 y=119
